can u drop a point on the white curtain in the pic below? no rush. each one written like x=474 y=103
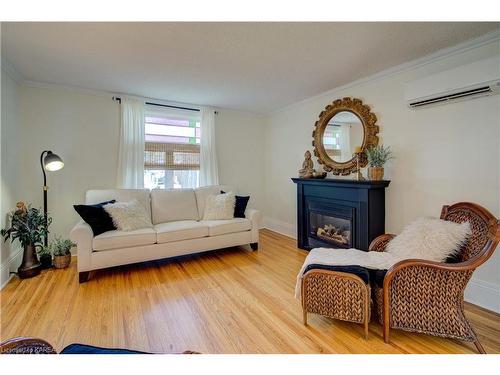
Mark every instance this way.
x=209 y=171
x=345 y=142
x=131 y=148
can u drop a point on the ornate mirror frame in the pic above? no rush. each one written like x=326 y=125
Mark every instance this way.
x=370 y=138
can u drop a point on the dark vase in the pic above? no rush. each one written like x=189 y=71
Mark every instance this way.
x=46 y=261
x=30 y=265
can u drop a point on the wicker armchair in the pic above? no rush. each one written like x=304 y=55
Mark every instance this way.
x=428 y=297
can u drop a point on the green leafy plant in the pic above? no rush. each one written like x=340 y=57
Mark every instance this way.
x=45 y=256
x=27 y=225
x=61 y=247
x=378 y=155
x=44 y=251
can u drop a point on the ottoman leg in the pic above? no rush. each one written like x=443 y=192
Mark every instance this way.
x=304 y=316
x=367 y=311
x=366 y=329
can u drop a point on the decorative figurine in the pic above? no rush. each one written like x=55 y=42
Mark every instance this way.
x=307 y=169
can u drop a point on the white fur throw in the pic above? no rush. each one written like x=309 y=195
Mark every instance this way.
x=220 y=207
x=430 y=239
x=425 y=238
x=128 y=216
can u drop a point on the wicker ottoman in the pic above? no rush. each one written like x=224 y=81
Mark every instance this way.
x=338 y=295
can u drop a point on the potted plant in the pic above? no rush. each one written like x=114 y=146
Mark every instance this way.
x=377 y=157
x=45 y=256
x=29 y=226
x=61 y=249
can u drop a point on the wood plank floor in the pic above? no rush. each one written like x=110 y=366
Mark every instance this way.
x=229 y=301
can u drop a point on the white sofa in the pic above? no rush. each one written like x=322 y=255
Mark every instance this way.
x=178 y=229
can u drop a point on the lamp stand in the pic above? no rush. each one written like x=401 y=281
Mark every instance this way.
x=45 y=188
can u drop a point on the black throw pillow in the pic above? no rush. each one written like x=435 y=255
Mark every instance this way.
x=96 y=216
x=240 y=206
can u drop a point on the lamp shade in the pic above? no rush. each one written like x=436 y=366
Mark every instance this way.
x=52 y=162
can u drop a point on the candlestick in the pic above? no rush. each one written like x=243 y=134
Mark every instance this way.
x=359 y=175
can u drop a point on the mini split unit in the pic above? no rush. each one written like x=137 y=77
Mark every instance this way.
x=474 y=80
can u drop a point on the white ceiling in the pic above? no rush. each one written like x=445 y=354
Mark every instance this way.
x=258 y=67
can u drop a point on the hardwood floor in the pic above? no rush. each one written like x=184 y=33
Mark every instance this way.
x=229 y=301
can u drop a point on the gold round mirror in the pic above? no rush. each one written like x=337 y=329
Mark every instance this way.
x=344 y=127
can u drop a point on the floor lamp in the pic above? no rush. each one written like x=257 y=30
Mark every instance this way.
x=51 y=162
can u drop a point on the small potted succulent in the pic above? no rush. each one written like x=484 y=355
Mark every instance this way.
x=45 y=256
x=30 y=226
x=61 y=249
x=377 y=157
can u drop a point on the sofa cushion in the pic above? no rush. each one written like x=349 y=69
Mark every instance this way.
x=202 y=194
x=180 y=230
x=117 y=239
x=120 y=195
x=219 y=227
x=173 y=205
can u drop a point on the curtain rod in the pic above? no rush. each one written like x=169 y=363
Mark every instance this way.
x=162 y=105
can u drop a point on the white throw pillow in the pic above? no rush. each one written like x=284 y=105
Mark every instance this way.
x=430 y=239
x=219 y=207
x=128 y=216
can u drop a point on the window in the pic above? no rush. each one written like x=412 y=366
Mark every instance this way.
x=331 y=140
x=172 y=149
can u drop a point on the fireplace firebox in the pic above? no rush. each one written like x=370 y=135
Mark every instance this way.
x=339 y=213
x=330 y=228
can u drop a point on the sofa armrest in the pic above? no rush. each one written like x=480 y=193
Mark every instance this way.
x=82 y=235
x=254 y=216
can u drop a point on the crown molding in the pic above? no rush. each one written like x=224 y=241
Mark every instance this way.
x=76 y=89
x=486 y=39
x=102 y=93
x=9 y=69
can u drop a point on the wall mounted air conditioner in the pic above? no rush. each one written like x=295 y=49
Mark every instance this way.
x=470 y=81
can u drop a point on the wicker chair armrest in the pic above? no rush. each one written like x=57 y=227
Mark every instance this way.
x=427 y=297
x=379 y=243
x=26 y=345
x=426 y=264
x=413 y=278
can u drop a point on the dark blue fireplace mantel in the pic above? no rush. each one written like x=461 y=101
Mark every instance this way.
x=358 y=204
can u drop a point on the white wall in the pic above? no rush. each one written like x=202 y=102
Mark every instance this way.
x=240 y=153
x=83 y=128
x=10 y=152
x=444 y=154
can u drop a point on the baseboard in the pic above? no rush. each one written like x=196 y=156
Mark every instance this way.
x=484 y=294
x=280 y=227
x=10 y=265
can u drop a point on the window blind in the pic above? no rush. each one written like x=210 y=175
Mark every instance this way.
x=173 y=156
